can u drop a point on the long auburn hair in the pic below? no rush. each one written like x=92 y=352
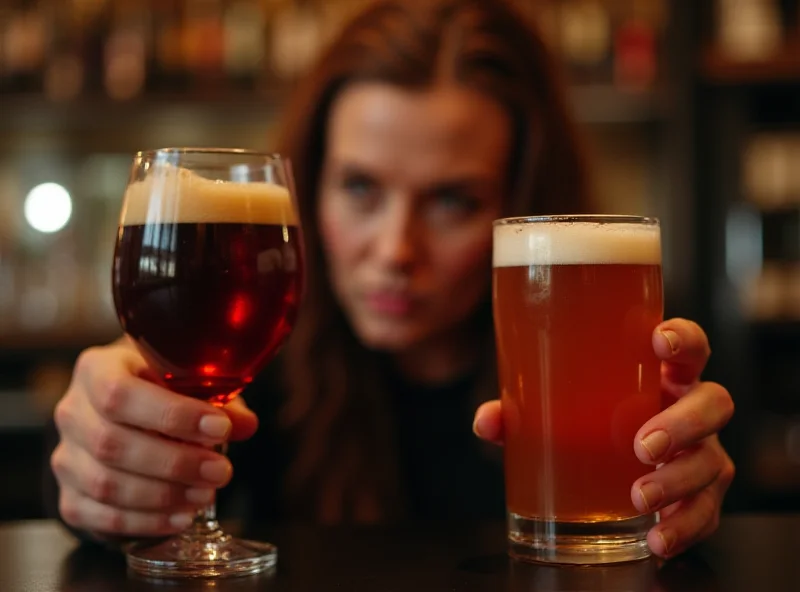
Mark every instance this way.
x=337 y=413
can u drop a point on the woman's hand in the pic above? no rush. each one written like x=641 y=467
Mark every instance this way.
x=134 y=458
x=693 y=471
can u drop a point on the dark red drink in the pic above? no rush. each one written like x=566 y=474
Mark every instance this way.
x=208 y=303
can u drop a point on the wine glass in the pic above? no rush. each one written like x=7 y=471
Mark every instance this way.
x=207 y=278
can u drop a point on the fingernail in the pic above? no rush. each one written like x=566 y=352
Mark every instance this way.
x=656 y=444
x=651 y=494
x=476 y=428
x=673 y=340
x=215 y=426
x=667 y=537
x=181 y=521
x=215 y=471
x=199 y=495
x=485 y=430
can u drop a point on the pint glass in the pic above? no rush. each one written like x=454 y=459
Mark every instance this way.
x=576 y=300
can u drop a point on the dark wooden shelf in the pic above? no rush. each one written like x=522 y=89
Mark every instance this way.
x=607 y=104
x=592 y=104
x=36 y=112
x=19 y=414
x=784 y=67
x=59 y=340
x=787 y=328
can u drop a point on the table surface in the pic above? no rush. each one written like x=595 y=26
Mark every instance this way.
x=749 y=553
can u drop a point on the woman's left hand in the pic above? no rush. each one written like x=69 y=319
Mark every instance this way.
x=693 y=470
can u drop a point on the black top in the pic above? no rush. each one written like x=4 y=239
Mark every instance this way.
x=447 y=473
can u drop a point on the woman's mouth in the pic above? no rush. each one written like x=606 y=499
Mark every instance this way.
x=390 y=303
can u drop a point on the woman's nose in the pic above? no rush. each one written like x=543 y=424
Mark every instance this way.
x=396 y=238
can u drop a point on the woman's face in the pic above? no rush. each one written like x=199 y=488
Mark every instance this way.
x=410 y=186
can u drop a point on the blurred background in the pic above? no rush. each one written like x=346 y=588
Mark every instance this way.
x=691 y=108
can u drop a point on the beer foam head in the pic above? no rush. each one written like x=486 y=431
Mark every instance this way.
x=572 y=243
x=174 y=195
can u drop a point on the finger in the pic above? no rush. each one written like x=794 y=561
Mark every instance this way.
x=120 y=356
x=147 y=455
x=702 y=412
x=126 y=399
x=683 y=476
x=243 y=421
x=135 y=363
x=488 y=423
x=76 y=469
x=85 y=513
x=684 y=348
x=695 y=519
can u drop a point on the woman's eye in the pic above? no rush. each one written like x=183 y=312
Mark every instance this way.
x=454 y=204
x=359 y=186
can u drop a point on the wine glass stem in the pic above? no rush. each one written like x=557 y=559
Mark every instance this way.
x=205 y=522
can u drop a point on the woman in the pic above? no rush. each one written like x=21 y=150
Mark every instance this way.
x=423 y=122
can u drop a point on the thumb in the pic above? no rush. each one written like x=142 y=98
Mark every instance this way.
x=244 y=422
x=488 y=424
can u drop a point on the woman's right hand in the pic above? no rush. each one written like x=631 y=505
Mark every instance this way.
x=134 y=458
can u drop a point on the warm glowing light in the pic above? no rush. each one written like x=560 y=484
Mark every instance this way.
x=48 y=207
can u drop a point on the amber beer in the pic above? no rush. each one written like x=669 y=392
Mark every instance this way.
x=207 y=284
x=575 y=305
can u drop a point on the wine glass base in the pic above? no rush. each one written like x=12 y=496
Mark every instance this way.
x=184 y=557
